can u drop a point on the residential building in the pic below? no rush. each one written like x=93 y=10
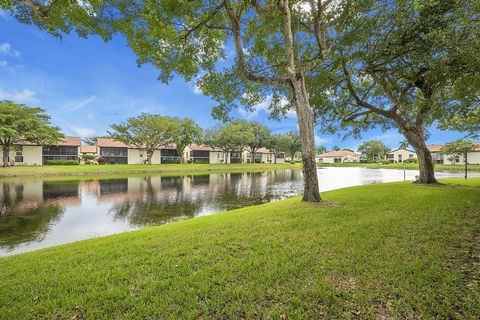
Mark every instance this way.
x=169 y=154
x=339 y=156
x=67 y=149
x=263 y=155
x=204 y=154
x=439 y=157
x=117 y=152
x=401 y=155
x=24 y=155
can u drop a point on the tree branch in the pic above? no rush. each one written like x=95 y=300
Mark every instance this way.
x=242 y=66
x=259 y=8
x=204 y=22
x=358 y=100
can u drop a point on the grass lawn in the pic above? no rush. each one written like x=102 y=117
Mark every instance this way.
x=139 y=168
x=412 y=166
x=389 y=251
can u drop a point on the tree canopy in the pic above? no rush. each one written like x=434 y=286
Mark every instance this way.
x=183 y=133
x=406 y=65
x=373 y=150
x=20 y=124
x=147 y=131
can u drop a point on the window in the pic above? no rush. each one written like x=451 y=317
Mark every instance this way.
x=60 y=150
x=18 y=158
x=410 y=155
x=114 y=152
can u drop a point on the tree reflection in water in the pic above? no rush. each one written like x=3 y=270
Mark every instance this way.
x=177 y=198
x=44 y=211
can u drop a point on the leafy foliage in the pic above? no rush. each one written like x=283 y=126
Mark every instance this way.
x=183 y=133
x=147 y=131
x=373 y=150
x=21 y=124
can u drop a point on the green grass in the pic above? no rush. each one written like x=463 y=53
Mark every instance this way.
x=374 y=252
x=80 y=170
x=411 y=166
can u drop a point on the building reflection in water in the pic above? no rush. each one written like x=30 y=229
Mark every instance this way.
x=41 y=213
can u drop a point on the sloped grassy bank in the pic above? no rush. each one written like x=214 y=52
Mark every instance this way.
x=381 y=251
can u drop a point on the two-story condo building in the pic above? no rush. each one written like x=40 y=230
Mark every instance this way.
x=401 y=155
x=441 y=158
x=67 y=149
x=29 y=154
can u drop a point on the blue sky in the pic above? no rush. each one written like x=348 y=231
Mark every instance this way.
x=85 y=85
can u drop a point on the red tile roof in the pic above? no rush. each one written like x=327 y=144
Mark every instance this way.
x=263 y=150
x=339 y=153
x=112 y=143
x=201 y=147
x=435 y=147
x=107 y=142
x=70 y=141
x=88 y=149
x=438 y=147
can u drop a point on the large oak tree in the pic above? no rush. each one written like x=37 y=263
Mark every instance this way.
x=407 y=65
x=20 y=124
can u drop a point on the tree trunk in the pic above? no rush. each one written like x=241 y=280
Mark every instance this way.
x=149 y=158
x=180 y=154
x=306 y=123
x=6 y=151
x=252 y=160
x=416 y=137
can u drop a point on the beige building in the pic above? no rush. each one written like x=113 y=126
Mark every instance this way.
x=117 y=152
x=23 y=155
x=439 y=157
x=204 y=154
x=35 y=155
x=263 y=155
x=67 y=149
x=401 y=155
x=339 y=156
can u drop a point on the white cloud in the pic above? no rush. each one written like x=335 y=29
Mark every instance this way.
x=23 y=96
x=83 y=131
x=3 y=63
x=263 y=106
x=79 y=104
x=6 y=48
x=91 y=117
x=320 y=141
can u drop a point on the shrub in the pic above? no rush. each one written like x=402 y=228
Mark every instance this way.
x=88 y=157
x=101 y=160
x=62 y=162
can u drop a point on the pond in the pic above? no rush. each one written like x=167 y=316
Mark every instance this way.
x=38 y=213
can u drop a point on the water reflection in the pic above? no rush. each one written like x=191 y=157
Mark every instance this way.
x=41 y=213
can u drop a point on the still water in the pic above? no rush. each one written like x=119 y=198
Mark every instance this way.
x=38 y=213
